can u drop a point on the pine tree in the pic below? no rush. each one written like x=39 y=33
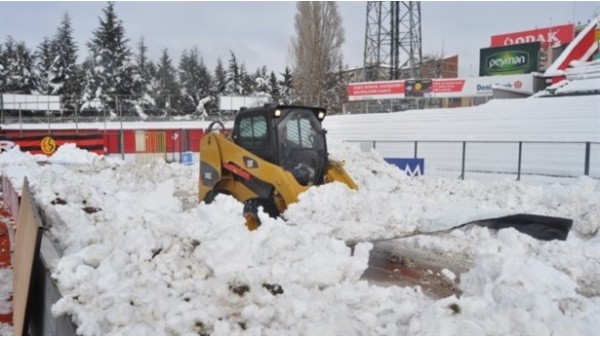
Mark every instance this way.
x=195 y=82
x=62 y=71
x=167 y=91
x=44 y=57
x=220 y=83
x=142 y=62
x=110 y=75
x=234 y=78
x=3 y=75
x=142 y=82
x=19 y=72
x=218 y=86
x=274 y=88
x=246 y=81
x=286 y=86
x=261 y=82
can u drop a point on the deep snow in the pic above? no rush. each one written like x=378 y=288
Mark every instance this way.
x=153 y=261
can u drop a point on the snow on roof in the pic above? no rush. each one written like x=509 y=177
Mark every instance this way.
x=563 y=56
x=581 y=79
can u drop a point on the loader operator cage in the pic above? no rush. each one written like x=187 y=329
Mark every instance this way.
x=302 y=145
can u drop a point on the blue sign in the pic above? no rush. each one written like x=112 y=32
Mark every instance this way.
x=186 y=158
x=411 y=166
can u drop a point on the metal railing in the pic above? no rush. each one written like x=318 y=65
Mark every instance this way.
x=545 y=158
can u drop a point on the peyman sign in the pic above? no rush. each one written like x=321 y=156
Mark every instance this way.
x=517 y=59
x=507 y=61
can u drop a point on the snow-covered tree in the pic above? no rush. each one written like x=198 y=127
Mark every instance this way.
x=247 y=83
x=234 y=77
x=220 y=79
x=43 y=60
x=62 y=72
x=19 y=76
x=142 y=63
x=195 y=82
x=62 y=69
x=3 y=75
x=274 y=90
x=286 y=87
x=167 y=95
x=110 y=76
x=142 y=81
x=218 y=86
x=262 y=85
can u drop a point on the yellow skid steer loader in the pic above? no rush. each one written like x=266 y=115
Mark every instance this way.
x=273 y=154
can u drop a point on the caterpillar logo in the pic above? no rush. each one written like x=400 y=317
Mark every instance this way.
x=507 y=61
x=48 y=145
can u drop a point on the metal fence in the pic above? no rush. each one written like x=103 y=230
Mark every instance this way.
x=507 y=158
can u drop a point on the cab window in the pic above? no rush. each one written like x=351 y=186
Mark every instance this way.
x=253 y=128
x=298 y=133
x=254 y=136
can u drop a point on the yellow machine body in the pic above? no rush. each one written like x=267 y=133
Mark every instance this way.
x=228 y=167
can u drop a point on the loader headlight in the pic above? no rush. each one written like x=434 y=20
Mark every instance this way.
x=277 y=113
x=321 y=115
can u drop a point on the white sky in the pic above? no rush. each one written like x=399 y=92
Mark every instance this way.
x=259 y=33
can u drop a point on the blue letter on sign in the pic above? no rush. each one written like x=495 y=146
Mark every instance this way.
x=411 y=166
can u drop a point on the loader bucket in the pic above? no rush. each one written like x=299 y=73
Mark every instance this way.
x=545 y=228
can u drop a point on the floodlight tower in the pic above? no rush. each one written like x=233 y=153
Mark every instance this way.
x=393 y=40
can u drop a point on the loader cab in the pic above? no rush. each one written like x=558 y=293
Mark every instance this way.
x=287 y=136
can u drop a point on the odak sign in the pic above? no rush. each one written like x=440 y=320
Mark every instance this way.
x=550 y=36
x=516 y=59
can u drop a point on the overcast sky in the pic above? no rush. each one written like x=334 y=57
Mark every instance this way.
x=259 y=33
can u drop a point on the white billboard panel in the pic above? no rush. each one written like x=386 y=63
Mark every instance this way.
x=236 y=102
x=30 y=102
x=481 y=86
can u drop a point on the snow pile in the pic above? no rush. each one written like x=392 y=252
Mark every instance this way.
x=141 y=257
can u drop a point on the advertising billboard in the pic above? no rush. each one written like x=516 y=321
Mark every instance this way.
x=236 y=102
x=553 y=36
x=506 y=60
x=439 y=88
x=29 y=102
x=376 y=90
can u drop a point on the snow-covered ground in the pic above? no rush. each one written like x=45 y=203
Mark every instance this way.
x=147 y=259
x=140 y=256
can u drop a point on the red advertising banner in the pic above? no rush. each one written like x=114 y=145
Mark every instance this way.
x=376 y=88
x=553 y=36
x=448 y=86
